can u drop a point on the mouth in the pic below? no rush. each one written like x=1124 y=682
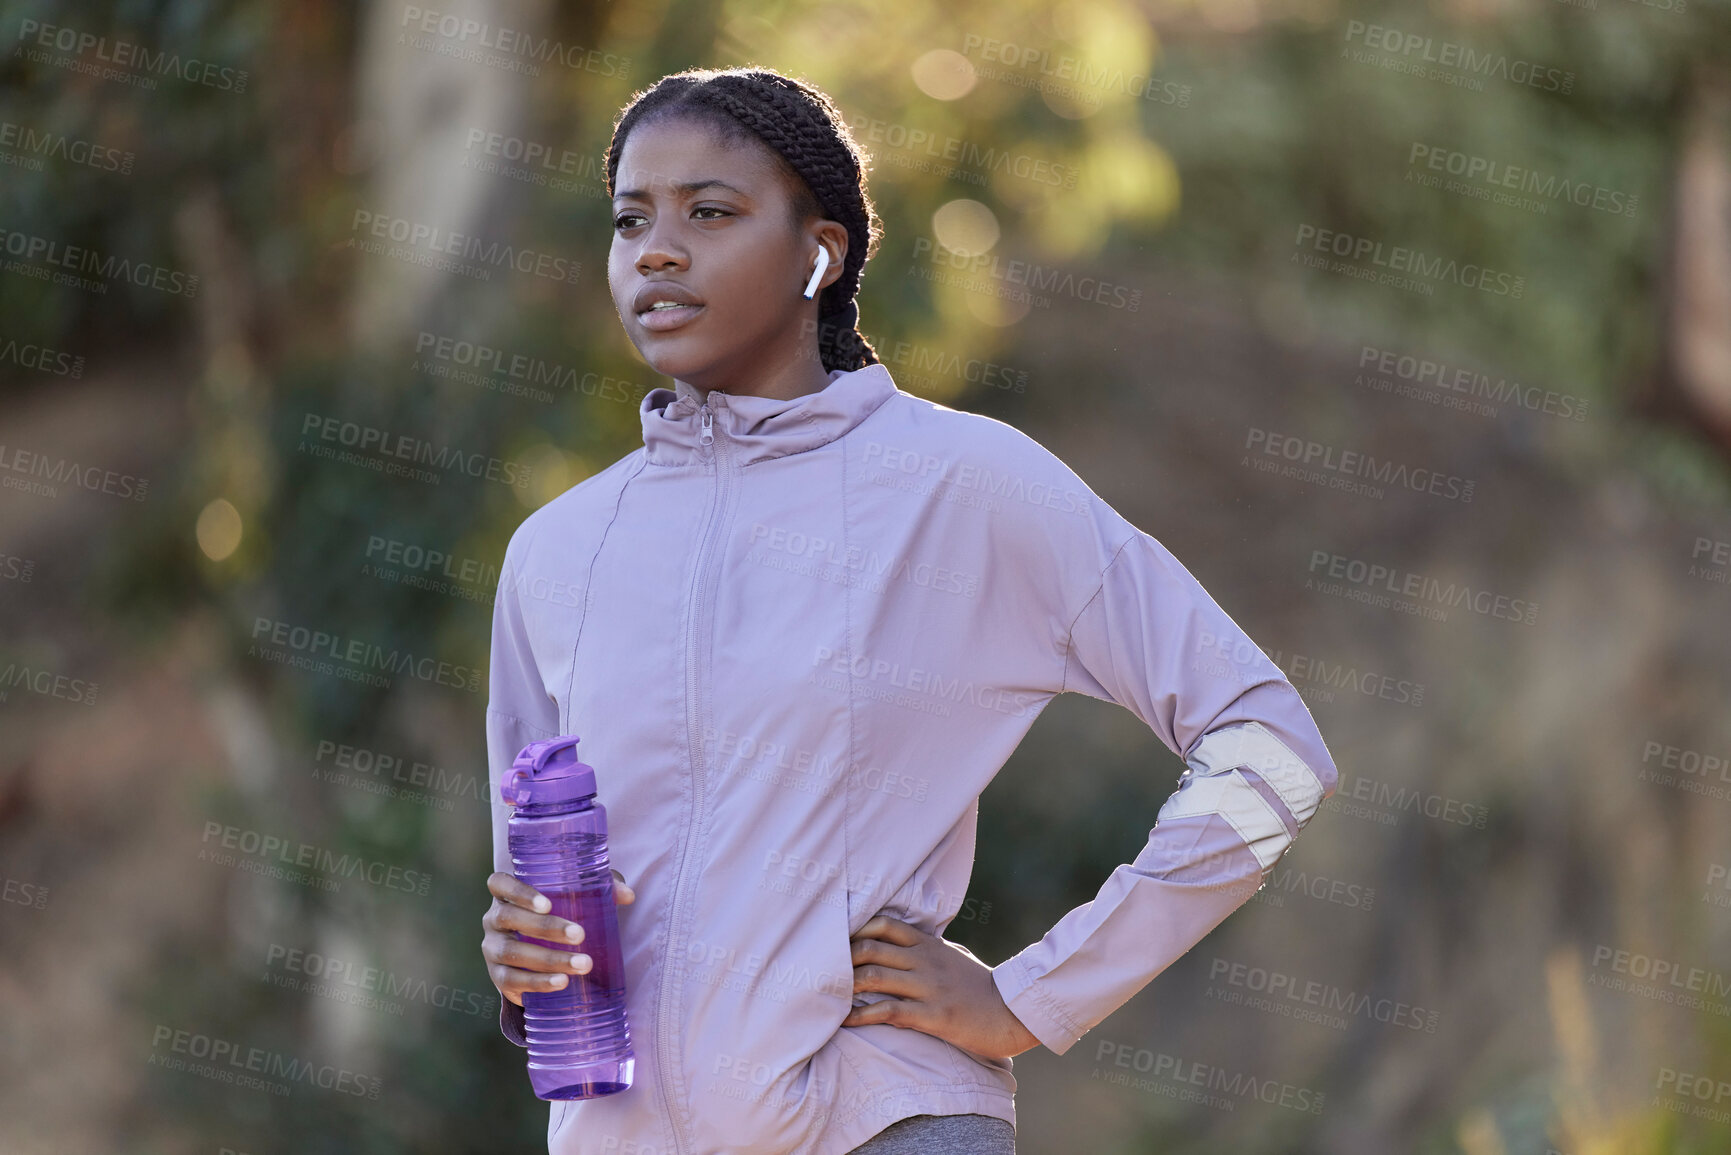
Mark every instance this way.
x=665 y=315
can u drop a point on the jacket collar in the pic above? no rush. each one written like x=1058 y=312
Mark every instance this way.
x=759 y=428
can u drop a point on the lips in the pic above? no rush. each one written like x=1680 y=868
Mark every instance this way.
x=658 y=291
x=678 y=305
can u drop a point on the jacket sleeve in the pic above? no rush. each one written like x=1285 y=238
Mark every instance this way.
x=519 y=711
x=1153 y=640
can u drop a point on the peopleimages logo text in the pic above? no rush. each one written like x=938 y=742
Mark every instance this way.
x=1373 y=576
x=35 y=143
x=467 y=31
x=322 y=859
x=1402 y=259
x=446 y=242
x=1356 y=463
x=127 y=54
x=271 y=1064
x=81 y=259
x=1448 y=54
x=403 y=447
x=58 y=470
x=310 y=645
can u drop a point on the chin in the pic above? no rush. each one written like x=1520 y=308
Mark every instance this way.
x=685 y=364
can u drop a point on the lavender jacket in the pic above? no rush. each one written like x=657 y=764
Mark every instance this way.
x=798 y=639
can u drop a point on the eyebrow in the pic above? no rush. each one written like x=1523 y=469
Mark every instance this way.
x=684 y=188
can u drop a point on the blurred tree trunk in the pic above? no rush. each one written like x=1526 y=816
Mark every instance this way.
x=414 y=110
x=1698 y=328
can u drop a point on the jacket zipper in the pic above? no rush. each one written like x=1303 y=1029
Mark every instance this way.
x=669 y=1039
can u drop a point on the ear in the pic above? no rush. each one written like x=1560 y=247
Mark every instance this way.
x=832 y=235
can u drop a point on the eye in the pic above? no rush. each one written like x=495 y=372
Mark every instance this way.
x=711 y=209
x=618 y=221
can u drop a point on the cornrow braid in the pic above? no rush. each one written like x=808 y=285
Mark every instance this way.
x=802 y=126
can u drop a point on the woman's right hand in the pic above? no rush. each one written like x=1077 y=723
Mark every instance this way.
x=516 y=966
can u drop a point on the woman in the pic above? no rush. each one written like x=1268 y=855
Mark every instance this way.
x=798 y=632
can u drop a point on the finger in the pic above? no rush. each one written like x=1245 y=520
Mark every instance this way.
x=876 y=950
x=513 y=982
x=527 y=956
x=506 y=989
x=517 y=892
x=550 y=927
x=889 y=981
x=519 y=982
x=890 y=929
x=894 y=1012
x=883 y=1011
x=622 y=892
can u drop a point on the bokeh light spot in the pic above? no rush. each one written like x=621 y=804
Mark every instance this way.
x=943 y=74
x=219 y=529
x=967 y=227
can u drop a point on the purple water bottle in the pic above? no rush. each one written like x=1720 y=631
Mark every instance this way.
x=579 y=1037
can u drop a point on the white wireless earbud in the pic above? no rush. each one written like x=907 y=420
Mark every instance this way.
x=817 y=273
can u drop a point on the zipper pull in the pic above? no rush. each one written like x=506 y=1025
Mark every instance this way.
x=707 y=436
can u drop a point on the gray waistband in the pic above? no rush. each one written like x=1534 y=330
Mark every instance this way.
x=942 y=1135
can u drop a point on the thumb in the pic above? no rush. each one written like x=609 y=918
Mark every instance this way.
x=622 y=892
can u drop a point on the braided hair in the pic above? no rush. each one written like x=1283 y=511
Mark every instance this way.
x=803 y=127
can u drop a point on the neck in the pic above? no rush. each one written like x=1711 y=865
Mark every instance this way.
x=782 y=369
x=783 y=385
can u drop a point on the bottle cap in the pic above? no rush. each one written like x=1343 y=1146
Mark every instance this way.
x=547 y=772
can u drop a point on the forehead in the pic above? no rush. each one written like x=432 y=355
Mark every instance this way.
x=663 y=155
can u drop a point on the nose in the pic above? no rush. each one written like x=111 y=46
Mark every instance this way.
x=657 y=253
x=651 y=262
